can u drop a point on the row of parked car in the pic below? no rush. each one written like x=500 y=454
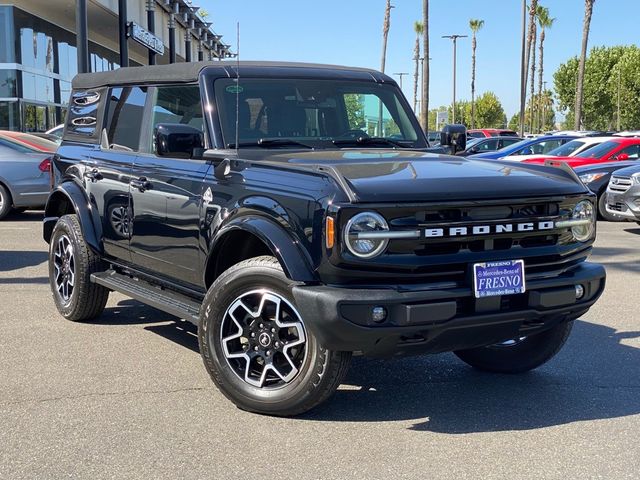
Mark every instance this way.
x=607 y=164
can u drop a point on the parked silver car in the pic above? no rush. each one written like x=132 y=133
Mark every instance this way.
x=24 y=176
x=623 y=194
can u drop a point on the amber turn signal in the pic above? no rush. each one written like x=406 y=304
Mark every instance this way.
x=330 y=232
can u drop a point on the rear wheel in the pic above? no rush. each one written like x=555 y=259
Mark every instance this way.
x=5 y=202
x=256 y=346
x=602 y=210
x=520 y=354
x=71 y=263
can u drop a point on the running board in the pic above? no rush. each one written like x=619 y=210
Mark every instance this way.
x=166 y=300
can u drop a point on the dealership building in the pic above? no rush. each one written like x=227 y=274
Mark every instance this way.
x=41 y=52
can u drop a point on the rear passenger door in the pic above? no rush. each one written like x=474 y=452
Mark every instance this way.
x=166 y=192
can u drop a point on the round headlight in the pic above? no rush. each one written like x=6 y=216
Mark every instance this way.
x=360 y=234
x=584 y=211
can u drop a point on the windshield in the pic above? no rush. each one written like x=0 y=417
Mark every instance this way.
x=568 y=148
x=315 y=113
x=599 y=151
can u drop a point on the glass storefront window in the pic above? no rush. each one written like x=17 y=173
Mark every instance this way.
x=37 y=87
x=36 y=50
x=9 y=116
x=8 y=83
x=7 y=35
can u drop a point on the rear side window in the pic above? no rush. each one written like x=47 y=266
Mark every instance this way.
x=124 y=117
x=83 y=112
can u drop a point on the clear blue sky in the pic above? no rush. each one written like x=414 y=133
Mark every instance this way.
x=348 y=32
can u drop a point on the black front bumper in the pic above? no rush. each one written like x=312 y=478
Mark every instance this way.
x=424 y=319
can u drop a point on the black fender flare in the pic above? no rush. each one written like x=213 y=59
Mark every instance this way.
x=295 y=260
x=87 y=215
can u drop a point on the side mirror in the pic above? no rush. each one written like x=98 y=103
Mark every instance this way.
x=622 y=157
x=177 y=140
x=527 y=151
x=454 y=136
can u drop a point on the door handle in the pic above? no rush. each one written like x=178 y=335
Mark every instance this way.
x=141 y=184
x=94 y=174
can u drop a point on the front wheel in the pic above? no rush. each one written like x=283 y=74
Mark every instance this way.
x=602 y=209
x=520 y=354
x=5 y=202
x=257 y=348
x=71 y=263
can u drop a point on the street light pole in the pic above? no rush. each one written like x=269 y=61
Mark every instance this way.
x=401 y=74
x=455 y=43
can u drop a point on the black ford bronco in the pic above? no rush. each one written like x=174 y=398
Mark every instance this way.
x=293 y=213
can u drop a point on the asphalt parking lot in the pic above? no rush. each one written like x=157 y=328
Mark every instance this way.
x=127 y=396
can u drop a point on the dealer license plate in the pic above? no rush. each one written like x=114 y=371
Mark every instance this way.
x=498 y=278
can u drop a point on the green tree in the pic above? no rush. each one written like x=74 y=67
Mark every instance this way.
x=546 y=116
x=474 y=25
x=600 y=87
x=354 y=103
x=489 y=111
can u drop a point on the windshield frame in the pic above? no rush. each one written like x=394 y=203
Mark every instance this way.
x=220 y=138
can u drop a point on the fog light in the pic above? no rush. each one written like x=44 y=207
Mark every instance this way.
x=378 y=314
x=579 y=292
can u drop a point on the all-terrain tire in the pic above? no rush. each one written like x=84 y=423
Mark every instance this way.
x=523 y=355
x=320 y=370
x=85 y=300
x=5 y=201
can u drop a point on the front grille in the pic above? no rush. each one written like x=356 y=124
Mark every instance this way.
x=619 y=184
x=447 y=260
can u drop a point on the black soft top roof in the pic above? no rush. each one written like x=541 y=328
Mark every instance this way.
x=189 y=73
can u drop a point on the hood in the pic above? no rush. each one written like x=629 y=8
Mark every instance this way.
x=413 y=176
x=627 y=172
x=604 y=167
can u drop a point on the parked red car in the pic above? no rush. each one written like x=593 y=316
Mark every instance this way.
x=622 y=149
x=490 y=132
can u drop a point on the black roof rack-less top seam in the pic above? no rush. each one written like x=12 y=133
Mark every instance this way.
x=189 y=72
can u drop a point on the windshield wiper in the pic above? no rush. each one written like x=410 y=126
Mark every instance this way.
x=372 y=140
x=271 y=142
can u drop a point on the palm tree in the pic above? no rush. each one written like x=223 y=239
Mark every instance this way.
x=530 y=39
x=424 y=110
x=385 y=34
x=545 y=22
x=474 y=25
x=532 y=87
x=418 y=27
x=588 y=11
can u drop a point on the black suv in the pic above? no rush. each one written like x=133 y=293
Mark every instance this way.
x=293 y=213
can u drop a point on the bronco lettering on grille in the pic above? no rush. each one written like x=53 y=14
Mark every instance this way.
x=488 y=229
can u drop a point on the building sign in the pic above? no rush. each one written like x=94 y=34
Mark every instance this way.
x=146 y=38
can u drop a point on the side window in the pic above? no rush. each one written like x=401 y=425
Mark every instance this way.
x=633 y=151
x=83 y=112
x=124 y=117
x=506 y=143
x=177 y=104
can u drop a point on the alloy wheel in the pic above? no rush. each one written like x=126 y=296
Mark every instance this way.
x=263 y=339
x=65 y=268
